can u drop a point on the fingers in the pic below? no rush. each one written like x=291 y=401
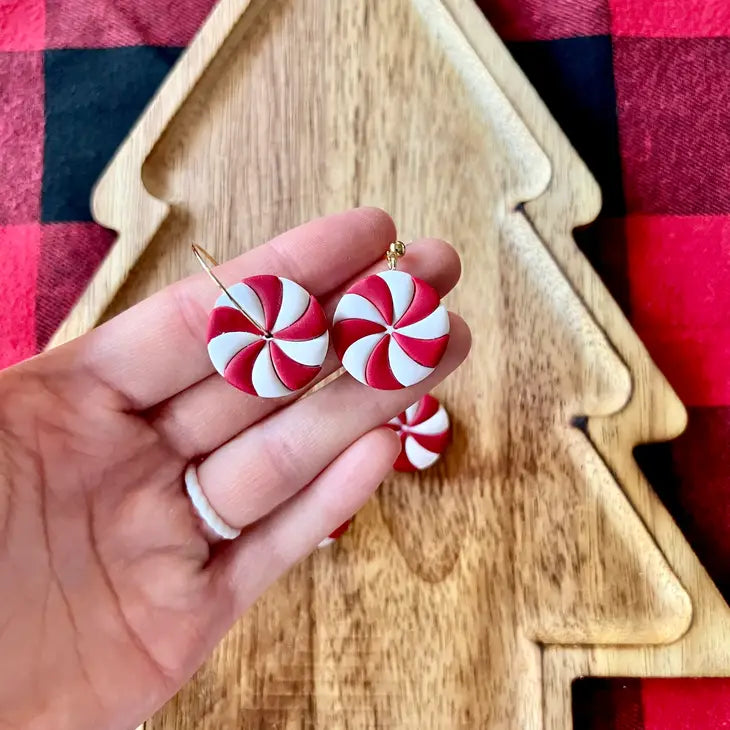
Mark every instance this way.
x=289 y=534
x=157 y=348
x=211 y=412
x=269 y=462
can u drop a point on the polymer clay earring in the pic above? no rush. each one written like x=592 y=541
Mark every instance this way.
x=425 y=431
x=390 y=329
x=267 y=335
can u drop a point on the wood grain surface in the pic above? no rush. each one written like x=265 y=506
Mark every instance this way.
x=470 y=596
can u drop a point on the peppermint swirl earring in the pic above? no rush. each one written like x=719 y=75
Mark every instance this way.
x=390 y=329
x=267 y=335
x=425 y=431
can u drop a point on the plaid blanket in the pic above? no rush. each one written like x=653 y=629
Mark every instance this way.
x=642 y=88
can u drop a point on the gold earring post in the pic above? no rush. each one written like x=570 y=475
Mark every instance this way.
x=396 y=250
x=206 y=261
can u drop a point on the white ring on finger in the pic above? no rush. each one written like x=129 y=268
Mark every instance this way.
x=204 y=508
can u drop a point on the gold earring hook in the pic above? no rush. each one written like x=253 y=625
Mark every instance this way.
x=396 y=250
x=206 y=261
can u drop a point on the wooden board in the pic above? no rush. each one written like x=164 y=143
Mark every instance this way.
x=452 y=601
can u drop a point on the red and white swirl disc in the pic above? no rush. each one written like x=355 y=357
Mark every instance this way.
x=424 y=431
x=390 y=330
x=341 y=530
x=283 y=357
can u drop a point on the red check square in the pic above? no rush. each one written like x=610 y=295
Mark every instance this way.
x=540 y=20
x=22 y=25
x=19 y=252
x=679 y=270
x=70 y=254
x=114 y=23
x=670 y=18
x=21 y=136
x=673 y=95
x=686 y=704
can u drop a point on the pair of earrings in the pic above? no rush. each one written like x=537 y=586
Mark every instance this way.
x=268 y=336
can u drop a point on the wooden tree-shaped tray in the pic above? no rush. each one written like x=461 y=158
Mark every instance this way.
x=473 y=595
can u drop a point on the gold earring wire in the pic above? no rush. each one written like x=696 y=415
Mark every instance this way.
x=396 y=250
x=206 y=261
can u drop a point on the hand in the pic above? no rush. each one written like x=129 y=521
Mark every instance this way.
x=111 y=595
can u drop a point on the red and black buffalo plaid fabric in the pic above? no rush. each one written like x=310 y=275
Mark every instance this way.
x=641 y=87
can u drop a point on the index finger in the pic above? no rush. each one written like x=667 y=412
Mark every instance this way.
x=156 y=349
